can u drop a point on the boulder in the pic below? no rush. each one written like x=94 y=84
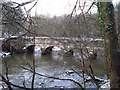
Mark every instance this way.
x=93 y=55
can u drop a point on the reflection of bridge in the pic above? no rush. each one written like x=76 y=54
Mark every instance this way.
x=62 y=42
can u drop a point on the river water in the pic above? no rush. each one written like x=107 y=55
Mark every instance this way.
x=51 y=66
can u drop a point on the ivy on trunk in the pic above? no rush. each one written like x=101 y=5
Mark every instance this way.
x=108 y=30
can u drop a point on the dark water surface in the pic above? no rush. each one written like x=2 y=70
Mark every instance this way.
x=50 y=65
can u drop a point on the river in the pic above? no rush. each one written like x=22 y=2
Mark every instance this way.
x=53 y=65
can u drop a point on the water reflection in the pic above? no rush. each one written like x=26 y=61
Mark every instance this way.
x=52 y=65
x=52 y=62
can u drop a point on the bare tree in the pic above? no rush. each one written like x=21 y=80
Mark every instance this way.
x=73 y=26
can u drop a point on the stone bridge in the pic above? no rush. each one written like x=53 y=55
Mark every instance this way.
x=62 y=42
x=43 y=42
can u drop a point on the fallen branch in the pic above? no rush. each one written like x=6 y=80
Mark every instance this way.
x=9 y=84
x=53 y=77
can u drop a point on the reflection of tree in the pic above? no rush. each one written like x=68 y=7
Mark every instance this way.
x=71 y=28
x=74 y=25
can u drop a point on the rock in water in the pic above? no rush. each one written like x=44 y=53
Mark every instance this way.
x=93 y=55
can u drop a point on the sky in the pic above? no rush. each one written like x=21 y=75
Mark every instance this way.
x=54 y=7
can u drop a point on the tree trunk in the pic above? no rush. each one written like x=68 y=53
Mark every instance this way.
x=118 y=18
x=108 y=29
